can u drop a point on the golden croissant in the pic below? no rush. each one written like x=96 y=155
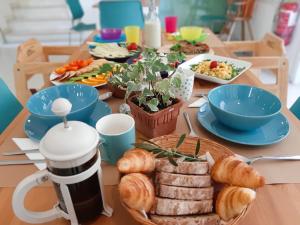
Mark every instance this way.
x=232 y=200
x=231 y=170
x=136 y=161
x=137 y=191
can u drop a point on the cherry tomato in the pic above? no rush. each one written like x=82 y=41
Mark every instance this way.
x=213 y=64
x=132 y=46
x=172 y=65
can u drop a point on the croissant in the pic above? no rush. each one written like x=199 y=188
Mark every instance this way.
x=136 y=161
x=231 y=201
x=137 y=191
x=231 y=170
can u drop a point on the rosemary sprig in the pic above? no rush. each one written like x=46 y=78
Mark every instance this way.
x=171 y=153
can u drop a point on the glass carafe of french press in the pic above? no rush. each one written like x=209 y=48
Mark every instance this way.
x=73 y=165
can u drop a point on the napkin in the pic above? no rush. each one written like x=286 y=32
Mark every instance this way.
x=26 y=144
x=198 y=103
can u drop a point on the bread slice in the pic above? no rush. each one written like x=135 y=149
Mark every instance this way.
x=181 y=180
x=196 y=168
x=174 y=207
x=209 y=219
x=184 y=193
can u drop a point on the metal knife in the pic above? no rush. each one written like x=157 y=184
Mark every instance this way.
x=105 y=96
x=201 y=95
x=19 y=152
x=21 y=162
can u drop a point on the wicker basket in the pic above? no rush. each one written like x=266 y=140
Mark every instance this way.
x=215 y=149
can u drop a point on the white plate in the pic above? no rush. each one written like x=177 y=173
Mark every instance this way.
x=199 y=58
x=56 y=83
x=108 y=57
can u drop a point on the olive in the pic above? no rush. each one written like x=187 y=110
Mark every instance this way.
x=164 y=74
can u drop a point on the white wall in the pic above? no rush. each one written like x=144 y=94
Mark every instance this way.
x=263 y=21
x=293 y=53
x=5 y=12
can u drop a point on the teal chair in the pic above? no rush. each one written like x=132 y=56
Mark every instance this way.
x=213 y=22
x=77 y=14
x=9 y=106
x=119 y=14
x=295 y=109
x=210 y=14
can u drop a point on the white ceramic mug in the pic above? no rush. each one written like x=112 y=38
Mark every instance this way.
x=187 y=83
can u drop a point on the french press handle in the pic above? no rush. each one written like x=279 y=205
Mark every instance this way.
x=19 y=197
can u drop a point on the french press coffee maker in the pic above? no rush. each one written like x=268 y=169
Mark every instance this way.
x=73 y=165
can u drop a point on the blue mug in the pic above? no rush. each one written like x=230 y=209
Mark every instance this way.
x=117 y=135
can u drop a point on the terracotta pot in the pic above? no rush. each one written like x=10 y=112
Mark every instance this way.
x=155 y=124
x=116 y=91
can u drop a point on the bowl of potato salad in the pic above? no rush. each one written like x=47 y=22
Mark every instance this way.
x=217 y=69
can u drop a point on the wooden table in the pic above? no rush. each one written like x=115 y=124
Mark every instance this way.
x=275 y=204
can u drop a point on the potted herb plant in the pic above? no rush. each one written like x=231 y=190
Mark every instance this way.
x=155 y=107
x=118 y=83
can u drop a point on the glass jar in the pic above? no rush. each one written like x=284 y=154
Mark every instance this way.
x=152 y=29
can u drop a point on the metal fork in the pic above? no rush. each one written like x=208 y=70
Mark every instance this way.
x=256 y=158
x=187 y=118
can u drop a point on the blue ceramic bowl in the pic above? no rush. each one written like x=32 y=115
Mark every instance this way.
x=82 y=97
x=243 y=107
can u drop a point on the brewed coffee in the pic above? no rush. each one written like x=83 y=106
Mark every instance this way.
x=86 y=195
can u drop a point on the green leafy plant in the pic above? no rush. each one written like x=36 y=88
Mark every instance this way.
x=122 y=76
x=172 y=154
x=155 y=92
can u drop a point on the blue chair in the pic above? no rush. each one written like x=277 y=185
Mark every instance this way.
x=295 y=109
x=77 y=14
x=119 y=14
x=9 y=106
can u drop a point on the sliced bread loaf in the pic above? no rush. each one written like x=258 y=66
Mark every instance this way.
x=197 y=168
x=174 y=207
x=182 y=180
x=208 y=219
x=184 y=193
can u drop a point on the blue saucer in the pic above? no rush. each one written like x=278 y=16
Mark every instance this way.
x=272 y=132
x=35 y=128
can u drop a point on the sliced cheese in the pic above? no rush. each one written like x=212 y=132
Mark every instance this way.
x=110 y=50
